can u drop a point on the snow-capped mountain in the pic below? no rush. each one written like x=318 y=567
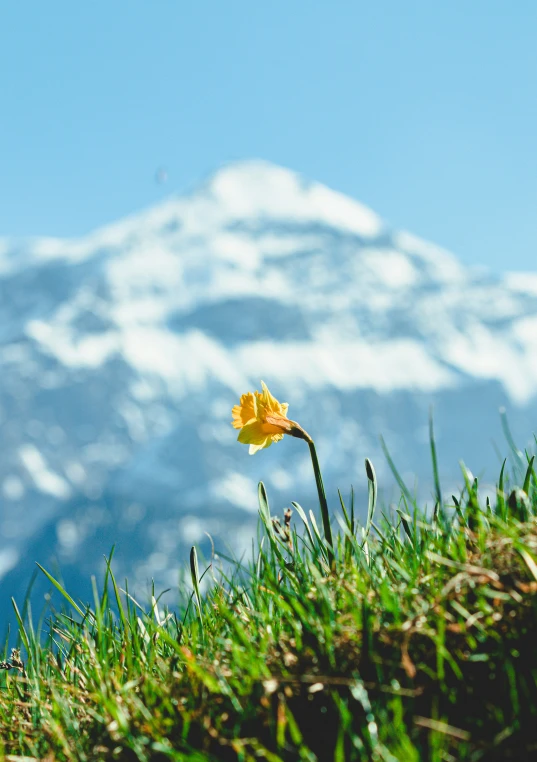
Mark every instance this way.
x=123 y=352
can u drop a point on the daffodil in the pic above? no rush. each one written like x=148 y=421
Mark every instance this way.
x=263 y=420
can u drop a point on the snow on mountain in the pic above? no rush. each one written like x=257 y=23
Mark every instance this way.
x=122 y=353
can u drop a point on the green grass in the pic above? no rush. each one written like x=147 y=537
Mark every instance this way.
x=413 y=638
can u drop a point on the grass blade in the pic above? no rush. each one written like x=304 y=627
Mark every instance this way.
x=501 y=492
x=195 y=575
x=22 y=629
x=325 y=516
x=527 y=478
x=62 y=591
x=298 y=508
x=393 y=468
x=509 y=437
x=264 y=512
x=372 y=491
x=436 y=476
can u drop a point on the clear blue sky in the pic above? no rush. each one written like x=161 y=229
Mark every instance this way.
x=426 y=111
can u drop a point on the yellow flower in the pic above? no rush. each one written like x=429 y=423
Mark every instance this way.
x=263 y=420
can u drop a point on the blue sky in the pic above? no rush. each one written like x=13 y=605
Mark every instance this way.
x=425 y=111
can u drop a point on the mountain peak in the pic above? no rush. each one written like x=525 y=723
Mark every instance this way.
x=255 y=188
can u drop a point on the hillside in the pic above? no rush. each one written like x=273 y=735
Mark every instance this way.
x=408 y=638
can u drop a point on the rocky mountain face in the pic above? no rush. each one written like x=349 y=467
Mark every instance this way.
x=123 y=352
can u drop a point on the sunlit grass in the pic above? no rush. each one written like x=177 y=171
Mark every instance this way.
x=410 y=637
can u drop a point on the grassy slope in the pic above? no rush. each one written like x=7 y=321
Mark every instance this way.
x=418 y=644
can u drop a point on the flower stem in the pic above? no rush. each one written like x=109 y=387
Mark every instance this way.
x=322 y=501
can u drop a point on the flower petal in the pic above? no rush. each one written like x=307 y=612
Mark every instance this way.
x=271 y=402
x=245 y=412
x=252 y=433
x=254 y=448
